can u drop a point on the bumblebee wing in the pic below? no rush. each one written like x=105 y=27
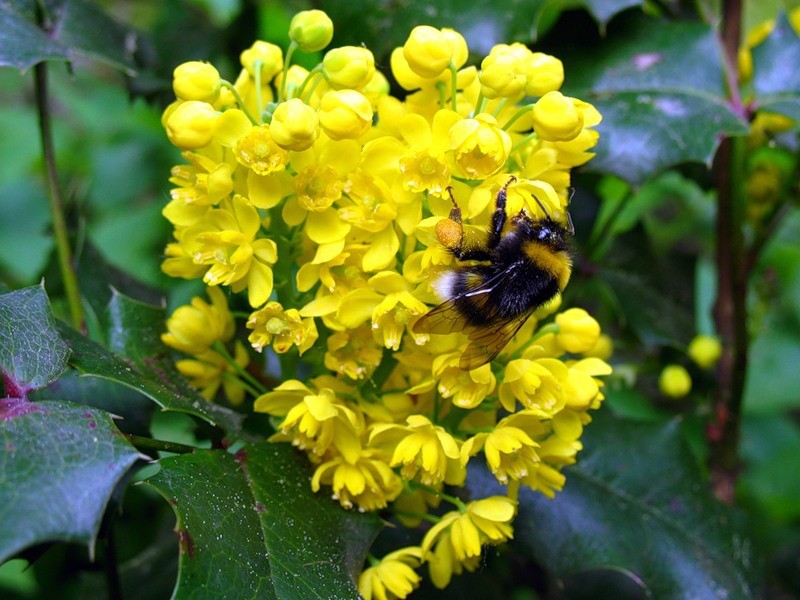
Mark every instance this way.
x=487 y=342
x=445 y=318
x=449 y=316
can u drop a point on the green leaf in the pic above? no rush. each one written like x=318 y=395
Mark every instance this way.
x=776 y=79
x=604 y=10
x=22 y=43
x=58 y=467
x=170 y=393
x=656 y=112
x=86 y=30
x=32 y=354
x=483 y=23
x=250 y=527
x=636 y=501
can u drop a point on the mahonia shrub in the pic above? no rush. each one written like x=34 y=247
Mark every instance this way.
x=314 y=198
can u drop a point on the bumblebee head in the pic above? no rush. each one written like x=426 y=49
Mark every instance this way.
x=547 y=232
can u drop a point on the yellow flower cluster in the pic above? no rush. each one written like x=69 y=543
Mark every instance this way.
x=320 y=198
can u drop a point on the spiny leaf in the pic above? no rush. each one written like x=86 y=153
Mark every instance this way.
x=32 y=355
x=250 y=527
x=59 y=464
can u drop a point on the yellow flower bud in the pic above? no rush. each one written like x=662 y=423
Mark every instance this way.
x=543 y=74
x=312 y=30
x=499 y=76
x=480 y=147
x=674 y=381
x=270 y=55
x=294 y=125
x=402 y=72
x=191 y=125
x=458 y=45
x=603 y=349
x=577 y=330
x=705 y=350
x=428 y=51
x=503 y=71
x=556 y=119
x=376 y=88
x=345 y=114
x=348 y=67
x=196 y=80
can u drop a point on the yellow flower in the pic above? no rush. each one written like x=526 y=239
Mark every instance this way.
x=366 y=481
x=348 y=67
x=429 y=51
x=509 y=449
x=294 y=125
x=543 y=74
x=270 y=57
x=353 y=352
x=191 y=125
x=312 y=30
x=556 y=118
x=393 y=577
x=345 y=114
x=534 y=383
x=259 y=152
x=674 y=381
x=226 y=241
x=208 y=370
x=466 y=389
x=284 y=329
x=320 y=422
x=705 y=350
x=503 y=71
x=578 y=331
x=194 y=328
x=196 y=80
x=480 y=147
x=425 y=166
x=422 y=448
x=486 y=521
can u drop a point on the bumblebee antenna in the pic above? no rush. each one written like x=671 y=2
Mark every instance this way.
x=544 y=210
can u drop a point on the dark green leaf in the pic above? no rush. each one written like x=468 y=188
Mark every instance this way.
x=603 y=10
x=483 y=23
x=636 y=501
x=32 y=354
x=133 y=409
x=85 y=29
x=250 y=527
x=22 y=43
x=92 y=359
x=656 y=111
x=58 y=466
x=645 y=132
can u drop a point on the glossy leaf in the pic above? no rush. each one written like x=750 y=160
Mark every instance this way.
x=90 y=358
x=76 y=28
x=59 y=464
x=636 y=502
x=250 y=527
x=483 y=23
x=86 y=30
x=656 y=111
x=776 y=79
x=22 y=43
x=32 y=354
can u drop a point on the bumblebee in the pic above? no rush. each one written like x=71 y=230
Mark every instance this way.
x=522 y=264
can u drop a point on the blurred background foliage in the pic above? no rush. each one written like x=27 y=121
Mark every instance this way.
x=646 y=264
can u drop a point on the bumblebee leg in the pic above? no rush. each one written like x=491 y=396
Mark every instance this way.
x=450 y=233
x=499 y=215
